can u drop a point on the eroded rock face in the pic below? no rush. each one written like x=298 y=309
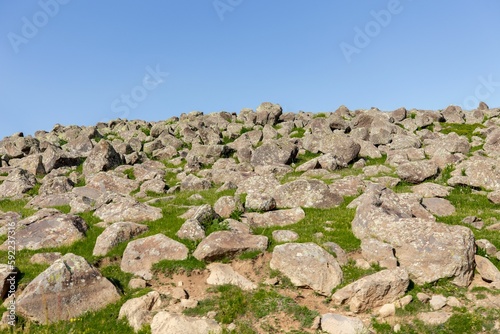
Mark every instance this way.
x=374 y=290
x=427 y=250
x=103 y=157
x=307 y=265
x=18 y=182
x=225 y=243
x=48 y=228
x=67 y=289
x=142 y=253
x=115 y=234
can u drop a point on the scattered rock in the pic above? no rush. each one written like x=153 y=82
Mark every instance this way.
x=487 y=270
x=138 y=311
x=221 y=274
x=439 y=206
x=306 y=193
x=275 y=218
x=103 y=157
x=434 y=318
x=307 y=265
x=417 y=171
x=115 y=234
x=339 y=324
x=285 y=235
x=437 y=302
x=71 y=281
x=164 y=322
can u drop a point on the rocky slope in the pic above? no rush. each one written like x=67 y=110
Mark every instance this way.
x=344 y=222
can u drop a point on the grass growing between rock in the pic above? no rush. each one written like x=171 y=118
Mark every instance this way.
x=466 y=130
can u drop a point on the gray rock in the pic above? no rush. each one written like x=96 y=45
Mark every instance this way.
x=275 y=218
x=374 y=290
x=487 y=246
x=437 y=302
x=225 y=243
x=453 y=114
x=56 y=185
x=429 y=189
x=45 y=258
x=268 y=113
x=439 y=206
x=427 y=250
x=114 y=208
x=434 y=318
x=71 y=281
x=112 y=181
x=260 y=202
x=339 y=254
x=18 y=182
x=343 y=148
x=417 y=171
x=306 y=193
x=103 y=157
x=192 y=182
x=115 y=234
x=139 y=311
x=474 y=221
x=226 y=205
x=307 y=265
x=48 y=228
x=274 y=153
x=142 y=253
x=377 y=252
x=285 y=235
x=171 y=323
x=487 y=270
x=191 y=229
x=221 y=274
x=340 y=324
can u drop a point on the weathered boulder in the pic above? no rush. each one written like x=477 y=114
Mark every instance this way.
x=374 y=290
x=275 y=218
x=226 y=205
x=142 y=253
x=487 y=270
x=139 y=311
x=171 y=323
x=114 y=208
x=268 y=113
x=112 y=181
x=221 y=274
x=306 y=193
x=438 y=206
x=285 y=235
x=339 y=324
x=429 y=189
x=427 y=250
x=417 y=171
x=18 y=182
x=225 y=243
x=343 y=148
x=103 y=157
x=192 y=229
x=67 y=289
x=307 y=265
x=274 y=153
x=56 y=185
x=453 y=114
x=192 y=182
x=477 y=171
x=378 y=252
x=115 y=234
x=260 y=202
x=48 y=228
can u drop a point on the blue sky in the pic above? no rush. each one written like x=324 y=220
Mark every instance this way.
x=81 y=62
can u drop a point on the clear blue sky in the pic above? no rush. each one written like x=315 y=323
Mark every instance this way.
x=81 y=62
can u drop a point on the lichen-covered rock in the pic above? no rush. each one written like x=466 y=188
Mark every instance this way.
x=114 y=208
x=142 y=253
x=306 y=193
x=275 y=218
x=307 y=265
x=103 y=157
x=139 y=311
x=417 y=171
x=18 y=182
x=115 y=234
x=66 y=290
x=171 y=323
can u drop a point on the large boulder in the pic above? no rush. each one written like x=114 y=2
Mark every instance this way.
x=112 y=181
x=67 y=289
x=306 y=193
x=142 y=253
x=139 y=311
x=114 y=208
x=18 y=182
x=103 y=157
x=171 y=323
x=274 y=153
x=307 y=265
x=478 y=172
x=340 y=324
x=343 y=148
x=417 y=171
x=426 y=249
x=374 y=290
x=225 y=243
x=275 y=218
x=115 y=234
x=221 y=274
x=48 y=228
x=268 y=113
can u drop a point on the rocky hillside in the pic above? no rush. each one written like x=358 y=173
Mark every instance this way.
x=258 y=222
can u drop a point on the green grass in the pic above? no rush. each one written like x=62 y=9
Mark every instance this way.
x=319 y=115
x=231 y=303
x=466 y=130
x=303 y=158
x=129 y=173
x=297 y=133
x=16 y=206
x=146 y=131
x=170 y=267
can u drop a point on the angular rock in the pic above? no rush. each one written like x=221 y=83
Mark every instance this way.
x=260 y=202
x=48 y=228
x=45 y=258
x=192 y=182
x=437 y=302
x=487 y=270
x=18 y=182
x=268 y=113
x=191 y=230
x=226 y=205
x=138 y=311
x=117 y=208
x=67 y=289
x=112 y=181
x=224 y=243
x=340 y=324
x=343 y=148
x=427 y=250
x=417 y=171
x=56 y=185
x=378 y=252
x=307 y=265
x=439 y=206
x=221 y=274
x=429 y=189
x=306 y=193
x=103 y=157
x=142 y=253
x=375 y=290
x=171 y=323
x=285 y=236
x=273 y=153
x=115 y=234
x=275 y=218
x=339 y=254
